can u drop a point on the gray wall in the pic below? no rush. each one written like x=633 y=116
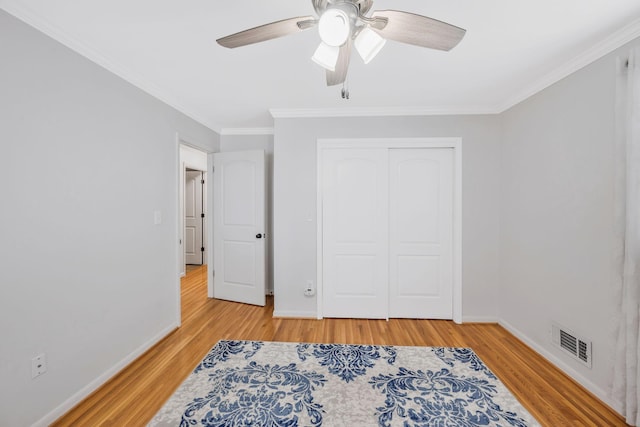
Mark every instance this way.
x=557 y=218
x=295 y=192
x=85 y=276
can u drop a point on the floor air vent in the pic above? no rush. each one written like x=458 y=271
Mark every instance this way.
x=576 y=346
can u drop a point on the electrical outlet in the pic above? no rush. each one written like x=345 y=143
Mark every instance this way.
x=309 y=290
x=38 y=365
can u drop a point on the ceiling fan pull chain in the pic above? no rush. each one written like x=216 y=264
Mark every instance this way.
x=345 y=91
x=346 y=83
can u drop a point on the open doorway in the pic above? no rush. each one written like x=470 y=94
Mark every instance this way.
x=193 y=206
x=193 y=223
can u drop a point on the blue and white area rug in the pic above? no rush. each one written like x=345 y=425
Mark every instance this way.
x=272 y=384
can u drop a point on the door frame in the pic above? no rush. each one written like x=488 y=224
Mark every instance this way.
x=454 y=143
x=183 y=140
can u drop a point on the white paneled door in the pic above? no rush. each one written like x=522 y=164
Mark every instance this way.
x=355 y=216
x=239 y=227
x=193 y=219
x=387 y=232
x=421 y=233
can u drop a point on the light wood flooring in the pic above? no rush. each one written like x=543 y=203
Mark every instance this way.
x=133 y=396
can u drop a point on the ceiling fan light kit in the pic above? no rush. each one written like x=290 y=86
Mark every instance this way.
x=326 y=56
x=368 y=44
x=346 y=23
x=334 y=27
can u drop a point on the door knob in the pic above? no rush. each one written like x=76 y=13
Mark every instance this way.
x=258 y=236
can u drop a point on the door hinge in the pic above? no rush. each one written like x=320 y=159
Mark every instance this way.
x=202 y=182
x=202 y=215
x=213 y=168
x=202 y=249
x=213 y=273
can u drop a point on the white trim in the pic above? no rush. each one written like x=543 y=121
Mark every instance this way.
x=210 y=252
x=283 y=113
x=448 y=142
x=187 y=141
x=296 y=314
x=595 y=52
x=246 y=131
x=179 y=230
x=445 y=142
x=31 y=18
x=457 y=230
x=568 y=370
x=319 y=232
x=480 y=319
x=102 y=379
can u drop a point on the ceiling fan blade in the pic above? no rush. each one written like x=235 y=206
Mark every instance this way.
x=418 y=30
x=342 y=66
x=267 y=32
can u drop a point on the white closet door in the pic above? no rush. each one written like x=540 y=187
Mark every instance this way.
x=421 y=233
x=355 y=233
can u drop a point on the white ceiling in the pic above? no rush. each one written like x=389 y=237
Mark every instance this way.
x=512 y=49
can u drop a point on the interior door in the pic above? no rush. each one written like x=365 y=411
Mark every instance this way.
x=421 y=233
x=239 y=227
x=354 y=221
x=193 y=220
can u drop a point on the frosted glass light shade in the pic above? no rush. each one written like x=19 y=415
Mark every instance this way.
x=326 y=56
x=334 y=27
x=368 y=44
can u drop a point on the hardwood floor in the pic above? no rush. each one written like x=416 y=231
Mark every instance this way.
x=133 y=396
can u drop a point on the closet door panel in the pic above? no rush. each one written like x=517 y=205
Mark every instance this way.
x=421 y=233
x=355 y=233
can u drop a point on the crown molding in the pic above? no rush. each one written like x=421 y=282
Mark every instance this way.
x=246 y=131
x=31 y=18
x=595 y=52
x=283 y=113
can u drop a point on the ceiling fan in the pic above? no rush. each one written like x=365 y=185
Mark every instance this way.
x=343 y=24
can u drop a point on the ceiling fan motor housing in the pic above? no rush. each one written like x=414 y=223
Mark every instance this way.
x=337 y=23
x=363 y=6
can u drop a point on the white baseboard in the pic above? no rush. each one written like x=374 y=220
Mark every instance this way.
x=558 y=363
x=102 y=379
x=313 y=315
x=480 y=319
x=296 y=314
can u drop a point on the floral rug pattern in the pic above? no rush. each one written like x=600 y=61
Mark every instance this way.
x=272 y=384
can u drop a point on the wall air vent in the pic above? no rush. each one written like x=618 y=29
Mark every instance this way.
x=579 y=348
